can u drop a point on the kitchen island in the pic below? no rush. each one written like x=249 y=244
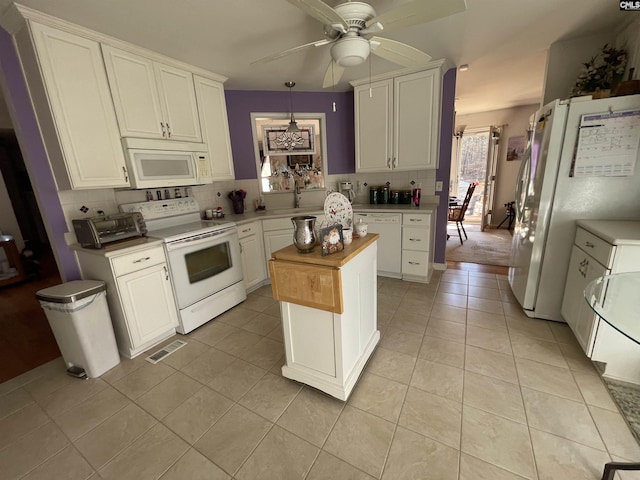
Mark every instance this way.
x=328 y=307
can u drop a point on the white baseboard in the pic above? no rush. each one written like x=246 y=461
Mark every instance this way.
x=439 y=266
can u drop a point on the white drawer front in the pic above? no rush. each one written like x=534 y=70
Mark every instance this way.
x=415 y=263
x=248 y=229
x=416 y=219
x=137 y=261
x=415 y=238
x=599 y=249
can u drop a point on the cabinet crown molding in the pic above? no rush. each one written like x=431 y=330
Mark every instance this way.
x=443 y=64
x=16 y=17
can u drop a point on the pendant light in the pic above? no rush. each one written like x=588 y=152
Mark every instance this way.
x=293 y=126
x=292 y=135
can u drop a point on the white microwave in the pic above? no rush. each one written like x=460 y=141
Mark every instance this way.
x=163 y=163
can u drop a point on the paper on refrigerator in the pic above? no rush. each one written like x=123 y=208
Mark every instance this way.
x=607 y=145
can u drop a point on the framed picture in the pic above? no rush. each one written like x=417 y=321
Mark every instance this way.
x=302 y=160
x=515 y=148
x=276 y=141
x=331 y=239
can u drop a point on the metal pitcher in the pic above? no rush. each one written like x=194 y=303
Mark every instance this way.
x=304 y=237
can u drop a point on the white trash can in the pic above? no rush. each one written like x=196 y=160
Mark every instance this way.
x=79 y=317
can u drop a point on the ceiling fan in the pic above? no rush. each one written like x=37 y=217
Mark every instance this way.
x=350 y=28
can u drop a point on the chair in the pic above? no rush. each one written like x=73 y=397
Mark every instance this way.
x=456 y=213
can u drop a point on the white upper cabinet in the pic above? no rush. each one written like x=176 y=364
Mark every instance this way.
x=152 y=100
x=374 y=126
x=215 y=126
x=69 y=88
x=397 y=122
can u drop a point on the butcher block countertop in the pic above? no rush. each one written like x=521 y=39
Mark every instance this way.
x=335 y=260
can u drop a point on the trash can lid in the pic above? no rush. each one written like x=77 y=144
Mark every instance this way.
x=71 y=291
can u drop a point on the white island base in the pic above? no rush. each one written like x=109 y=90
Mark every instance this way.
x=331 y=329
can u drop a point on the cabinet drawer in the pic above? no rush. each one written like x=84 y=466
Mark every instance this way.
x=415 y=263
x=277 y=224
x=599 y=249
x=416 y=219
x=136 y=261
x=248 y=229
x=415 y=238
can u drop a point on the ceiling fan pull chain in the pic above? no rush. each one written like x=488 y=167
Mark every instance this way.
x=370 y=89
x=333 y=87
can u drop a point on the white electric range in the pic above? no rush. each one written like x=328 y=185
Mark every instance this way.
x=203 y=258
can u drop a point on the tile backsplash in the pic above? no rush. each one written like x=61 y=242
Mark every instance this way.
x=89 y=203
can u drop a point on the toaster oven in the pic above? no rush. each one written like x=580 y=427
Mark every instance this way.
x=95 y=232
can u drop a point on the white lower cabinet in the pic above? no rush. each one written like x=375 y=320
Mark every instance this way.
x=583 y=269
x=139 y=294
x=277 y=233
x=417 y=246
x=252 y=252
x=602 y=248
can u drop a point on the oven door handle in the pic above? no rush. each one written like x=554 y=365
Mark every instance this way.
x=216 y=238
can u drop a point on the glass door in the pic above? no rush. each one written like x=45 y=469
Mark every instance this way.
x=471 y=166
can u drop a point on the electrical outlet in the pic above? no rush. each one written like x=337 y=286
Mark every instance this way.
x=439 y=186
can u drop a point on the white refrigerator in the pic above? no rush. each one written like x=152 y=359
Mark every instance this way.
x=549 y=201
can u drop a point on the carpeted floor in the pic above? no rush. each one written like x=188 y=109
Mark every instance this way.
x=491 y=247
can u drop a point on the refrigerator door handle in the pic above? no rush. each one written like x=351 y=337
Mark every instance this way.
x=522 y=181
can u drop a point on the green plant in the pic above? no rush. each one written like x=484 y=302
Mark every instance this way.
x=603 y=71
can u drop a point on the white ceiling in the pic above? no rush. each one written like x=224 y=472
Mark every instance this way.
x=504 y=42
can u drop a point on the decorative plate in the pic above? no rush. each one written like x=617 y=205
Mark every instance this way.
x=338 y=209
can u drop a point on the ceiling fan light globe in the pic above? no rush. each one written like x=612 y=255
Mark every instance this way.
x=350 y=51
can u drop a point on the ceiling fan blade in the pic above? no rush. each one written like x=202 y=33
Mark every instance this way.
x=333 y=75
x=322 y=12
x=275 y=56
x=417 y=11
x=399 y=53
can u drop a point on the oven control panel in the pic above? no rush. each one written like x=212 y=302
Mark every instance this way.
x=162 y=208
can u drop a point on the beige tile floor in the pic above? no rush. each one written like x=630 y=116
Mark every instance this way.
x=462 y=386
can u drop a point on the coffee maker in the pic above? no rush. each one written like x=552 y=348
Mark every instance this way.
x=346 y=188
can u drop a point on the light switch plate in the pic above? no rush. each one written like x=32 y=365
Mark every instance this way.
x=439 y=186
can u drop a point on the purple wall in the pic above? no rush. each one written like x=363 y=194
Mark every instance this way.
x=340 y=126
x=35 y=157
x=443 y=174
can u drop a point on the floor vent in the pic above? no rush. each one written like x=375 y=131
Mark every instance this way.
x=165 y=351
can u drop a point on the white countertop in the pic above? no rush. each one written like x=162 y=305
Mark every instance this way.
x=248 y=216
x=616 y=232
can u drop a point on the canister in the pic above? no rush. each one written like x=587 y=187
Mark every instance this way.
x=404 y=197
x=394 y=197
x=384 y=194
x=374 y=195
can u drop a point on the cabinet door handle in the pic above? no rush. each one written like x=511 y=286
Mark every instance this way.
x=415 y=239
x=414 y=263
x=166 y=273
x=246 y=230
x=414 y=220
x=126 y=175
x=168 y=131
x=389 y=162
x=589 y=244
x=395 y=162
x=143 y=259
x=164 y=133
